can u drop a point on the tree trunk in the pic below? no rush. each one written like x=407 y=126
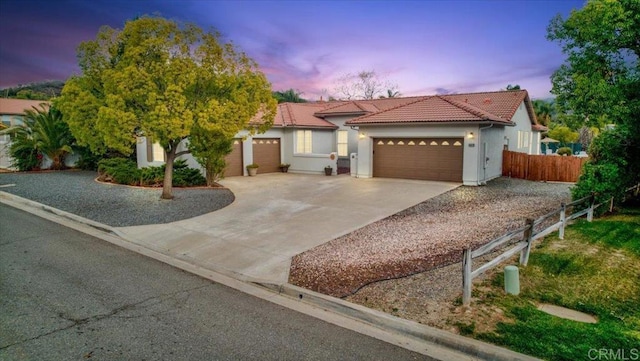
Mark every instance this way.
x=210 y=175
x=167 y=184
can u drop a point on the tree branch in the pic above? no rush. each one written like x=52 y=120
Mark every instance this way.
x=183 y=152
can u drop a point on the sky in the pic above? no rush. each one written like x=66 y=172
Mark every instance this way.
x=425 y=47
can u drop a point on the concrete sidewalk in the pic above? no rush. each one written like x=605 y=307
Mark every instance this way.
x=276 y=216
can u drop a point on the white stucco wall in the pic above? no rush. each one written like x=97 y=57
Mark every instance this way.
x=322 y=144
x=470 y=155
x=523 y=124
x=141 y=154
x=352 y=133
x=490 y=146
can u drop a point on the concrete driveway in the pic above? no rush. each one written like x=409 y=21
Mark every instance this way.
x=276 y=216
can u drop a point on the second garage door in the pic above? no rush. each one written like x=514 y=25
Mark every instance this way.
x=234 y=160
x=266 y=153
x=437 y=159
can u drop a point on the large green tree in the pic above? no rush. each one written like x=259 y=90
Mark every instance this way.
x=167 y=81
x=563 y=134
x=599 y=84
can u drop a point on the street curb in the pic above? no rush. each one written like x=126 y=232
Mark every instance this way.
x=455 y=346
x=475 y=348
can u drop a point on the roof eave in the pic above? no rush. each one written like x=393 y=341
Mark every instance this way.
x=337 y=114
x=313 y=127
x=447 y=122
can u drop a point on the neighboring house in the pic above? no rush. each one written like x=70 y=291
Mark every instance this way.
x=458 y=137
x=12 y=114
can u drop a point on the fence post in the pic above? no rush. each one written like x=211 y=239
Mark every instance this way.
x=563 y=220
x=592 y=202
x=528 y=234
x=466 y=276
x=611 y=205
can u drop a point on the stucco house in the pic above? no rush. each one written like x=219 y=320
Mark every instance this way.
x=12 y=114
x=457 y=137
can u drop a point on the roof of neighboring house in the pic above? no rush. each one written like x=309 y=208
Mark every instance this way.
x=18 y=106
x=497 y=107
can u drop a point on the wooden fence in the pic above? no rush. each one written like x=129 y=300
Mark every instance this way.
x=526 y=236
x=541 y=167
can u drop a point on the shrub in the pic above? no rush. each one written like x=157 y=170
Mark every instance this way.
x=88 y=160
x=609 y=171
x=565 y=151
x=125 y=171
x=24 y=157
x=119 y=170
x=183 y=176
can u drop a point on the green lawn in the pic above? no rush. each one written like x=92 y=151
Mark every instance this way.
x=595 y=269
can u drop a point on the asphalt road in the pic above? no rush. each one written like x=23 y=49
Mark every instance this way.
x=67 y=296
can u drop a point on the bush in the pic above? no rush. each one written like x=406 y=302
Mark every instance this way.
x=24 y=157
x=88 y=160
x=183 y=176
x=125 y=171
x=119 y=170
x=608 y=172
x=565 y=151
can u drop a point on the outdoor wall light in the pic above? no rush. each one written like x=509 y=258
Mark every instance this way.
x=362 y=136
x=470 y=135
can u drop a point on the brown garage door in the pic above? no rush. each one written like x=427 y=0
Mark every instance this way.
x=234 y=160
x=266 y=153
x=418 y=158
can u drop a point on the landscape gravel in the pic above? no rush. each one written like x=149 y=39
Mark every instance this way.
x=429 y=235
x=77 y=192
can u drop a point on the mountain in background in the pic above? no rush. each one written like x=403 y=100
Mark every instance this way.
x=36 y=91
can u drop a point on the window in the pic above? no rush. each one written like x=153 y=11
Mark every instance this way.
x=155 y=153
x=520 y=139
x=343 y=143
x=303 y=141
x=523 y=139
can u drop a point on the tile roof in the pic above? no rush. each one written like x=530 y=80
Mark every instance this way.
x=18 y=106
x=497 y=107
x=301 y=115
x=430 y=109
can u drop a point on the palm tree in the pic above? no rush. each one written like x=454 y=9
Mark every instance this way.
x=289 y=96
x=544 y=110
x=43 y=132
x=391 y=93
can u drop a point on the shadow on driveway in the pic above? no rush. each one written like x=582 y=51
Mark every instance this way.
x=115 y=205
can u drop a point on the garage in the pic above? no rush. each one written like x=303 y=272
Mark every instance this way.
x=234 y=160
x=266 y=153
x=438 y=159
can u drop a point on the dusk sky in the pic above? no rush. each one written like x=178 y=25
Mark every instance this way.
x=425 y=47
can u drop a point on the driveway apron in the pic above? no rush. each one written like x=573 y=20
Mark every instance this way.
x=276 y=216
